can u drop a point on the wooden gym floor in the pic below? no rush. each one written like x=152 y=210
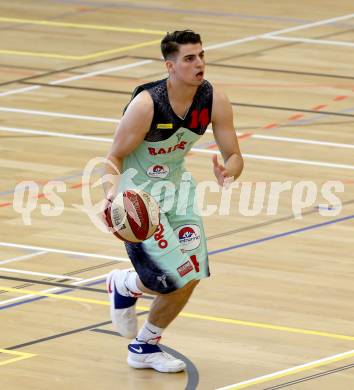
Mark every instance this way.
x=278 y=310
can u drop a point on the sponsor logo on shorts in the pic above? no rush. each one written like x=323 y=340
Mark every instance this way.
x=185 y=268
x=160 y=238
x=162 y=279
x=189 y=237
x=160 y=171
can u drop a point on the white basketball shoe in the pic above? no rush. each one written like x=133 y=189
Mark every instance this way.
x=122 y=302
x=145 y=355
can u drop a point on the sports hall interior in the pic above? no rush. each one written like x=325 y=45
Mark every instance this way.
x=277 y=311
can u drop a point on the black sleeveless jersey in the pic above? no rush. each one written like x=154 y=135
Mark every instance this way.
x=166 y=122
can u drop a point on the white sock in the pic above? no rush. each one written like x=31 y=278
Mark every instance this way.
x=149 y=333
x=130 y=284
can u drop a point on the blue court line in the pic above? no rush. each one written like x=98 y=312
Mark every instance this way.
x=288 y=233
x=209 y=253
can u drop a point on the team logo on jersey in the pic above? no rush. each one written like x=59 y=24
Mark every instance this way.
x=179 y=136
x=159 y=171
x=189 y=237
x=164 y=126
x=185 y=268
x=180 y=146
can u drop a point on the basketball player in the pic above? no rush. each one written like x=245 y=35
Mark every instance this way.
x=161 y=123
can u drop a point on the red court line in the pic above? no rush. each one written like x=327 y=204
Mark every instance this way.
x=319 y=107
x=5 y=204
x=76 y=185
x=270 y=126
x=296 y=116
x=244 y=136
x=340 y=97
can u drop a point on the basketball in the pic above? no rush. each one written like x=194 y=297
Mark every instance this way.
x=133 y=216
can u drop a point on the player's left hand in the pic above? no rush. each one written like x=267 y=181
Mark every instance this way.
x=221 y=173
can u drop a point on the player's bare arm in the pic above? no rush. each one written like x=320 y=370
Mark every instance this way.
x=226 y=139
x=129 y=134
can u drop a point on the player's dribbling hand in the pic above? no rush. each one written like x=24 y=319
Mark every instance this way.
x=220 y=172
x=104 y=215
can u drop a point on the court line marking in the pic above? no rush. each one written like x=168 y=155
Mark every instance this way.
x=59 y=115
x=46 y=293
x=50 y=290
x=306 y=378
x=309 y=25
x=198 y=150
x=82 y=57
x=295 y=140
x=302 y=141
x=277 y=32
x=307 y=40
x=210 y=253
x=283 y=234
x=55 y=134
x=65 y=252
x=23 y=257
x=83 y=26
x=116 y=120
x=20 y=90
x=210 y=47
x=72 y=78
x=102 y=71
x=21 y=271
x=21 y=356
x=282 y=159
x=290 y=371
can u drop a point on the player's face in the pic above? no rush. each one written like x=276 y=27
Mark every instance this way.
x=188 y=65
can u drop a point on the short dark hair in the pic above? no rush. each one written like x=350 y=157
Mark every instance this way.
x=170 y=43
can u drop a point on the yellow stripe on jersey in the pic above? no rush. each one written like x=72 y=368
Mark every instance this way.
x=165 y=125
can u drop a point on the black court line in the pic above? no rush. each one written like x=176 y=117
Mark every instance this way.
x=56 y=336
x=23 y=67
x=283 y=45
x=54 y=284
x=236 y=104
x=267 y=223
x=78 y=88
x=192 y=371
x=254 y=68
x=275 y=70
x=32 y=282
x=291 y=109
x=310 y=377
x=94 y=267
x=52 y=72
x=63 y=334
x=68 y=274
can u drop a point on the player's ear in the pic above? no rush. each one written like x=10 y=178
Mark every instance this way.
x=169 y=66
